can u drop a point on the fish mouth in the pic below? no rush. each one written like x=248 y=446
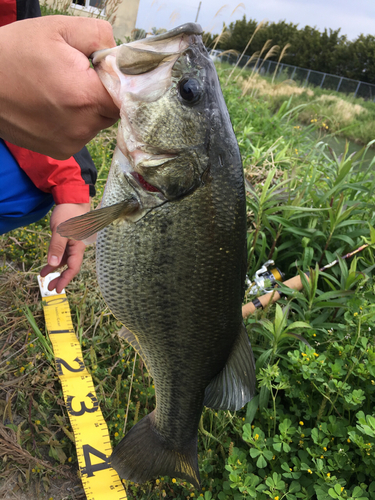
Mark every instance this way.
x=144 y=184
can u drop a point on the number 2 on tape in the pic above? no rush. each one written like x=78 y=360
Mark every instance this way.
x=61 y=362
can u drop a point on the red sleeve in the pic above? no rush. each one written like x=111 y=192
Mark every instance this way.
x=8 y=12
x=61 y=178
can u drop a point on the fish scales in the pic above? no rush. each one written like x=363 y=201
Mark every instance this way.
x=173 y=298
x=171 y=259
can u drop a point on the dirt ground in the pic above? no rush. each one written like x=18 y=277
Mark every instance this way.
x=69 y=488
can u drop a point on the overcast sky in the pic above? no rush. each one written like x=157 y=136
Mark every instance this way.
x=352 y=16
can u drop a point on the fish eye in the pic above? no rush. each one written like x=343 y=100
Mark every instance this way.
x=190 y=90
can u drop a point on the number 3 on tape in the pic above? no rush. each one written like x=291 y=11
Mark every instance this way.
x=100 y=481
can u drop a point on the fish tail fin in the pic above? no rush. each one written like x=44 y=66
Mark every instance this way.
x=143 y=455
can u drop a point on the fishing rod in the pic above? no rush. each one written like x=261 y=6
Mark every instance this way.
x=294 y=283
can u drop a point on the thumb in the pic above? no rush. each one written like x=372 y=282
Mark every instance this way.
x=87 y=35
x=56 y=249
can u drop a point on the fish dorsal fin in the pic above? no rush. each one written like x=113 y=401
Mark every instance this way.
x=234 y=386
x=84 y=226
x=131 y=339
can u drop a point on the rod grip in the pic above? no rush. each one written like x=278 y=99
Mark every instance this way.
x=295 y=283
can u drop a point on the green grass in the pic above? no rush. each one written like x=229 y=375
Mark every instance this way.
x=332 y=112
x=310 y=432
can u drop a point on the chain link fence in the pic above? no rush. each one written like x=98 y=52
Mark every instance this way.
x=302 y=76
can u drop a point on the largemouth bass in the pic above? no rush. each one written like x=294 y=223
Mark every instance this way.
x=171 y=248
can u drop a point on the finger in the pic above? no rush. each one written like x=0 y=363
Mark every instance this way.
x=49 y=269
x=56 y=249
x=87 y=35
x=52 y=284
x=74 y=264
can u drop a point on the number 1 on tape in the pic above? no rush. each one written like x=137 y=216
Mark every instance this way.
x=100 y=481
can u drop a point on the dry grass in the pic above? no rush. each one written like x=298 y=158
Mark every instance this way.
x=257 y=84
x=224 y=35
x=343 y=111
x=245 y=49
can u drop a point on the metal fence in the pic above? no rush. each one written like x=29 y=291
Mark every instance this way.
x=303 y=76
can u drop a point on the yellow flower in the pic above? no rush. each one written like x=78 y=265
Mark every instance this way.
x=116 y=434
x=324 y=448
x=309 y=471
x=304 y=354
x=316 y=354
x=157 y=481
x=328 y=474
x=348 y=440
x=276 y=498
x=37 y=422
x=192 y=495
x=355 y=314
x=301 y=423
x=256 y=436
x=173 y=480
x=302 y=435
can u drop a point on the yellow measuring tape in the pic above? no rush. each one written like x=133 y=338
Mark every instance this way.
x=100 y=481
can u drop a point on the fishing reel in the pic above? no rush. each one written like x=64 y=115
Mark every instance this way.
x=264 y=280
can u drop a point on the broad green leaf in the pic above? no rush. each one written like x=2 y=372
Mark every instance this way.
x=261 y=462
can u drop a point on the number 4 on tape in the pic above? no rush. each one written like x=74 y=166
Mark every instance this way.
x=100 y=481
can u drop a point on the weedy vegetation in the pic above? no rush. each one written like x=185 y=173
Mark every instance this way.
x=310 y=431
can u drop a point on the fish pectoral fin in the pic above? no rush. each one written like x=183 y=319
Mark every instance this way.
x=143 y=454
x=131 y=339
x=84 y=226
x=234 y=386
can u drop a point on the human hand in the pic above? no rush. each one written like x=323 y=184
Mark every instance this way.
x=51 y=100
x=63 y=251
